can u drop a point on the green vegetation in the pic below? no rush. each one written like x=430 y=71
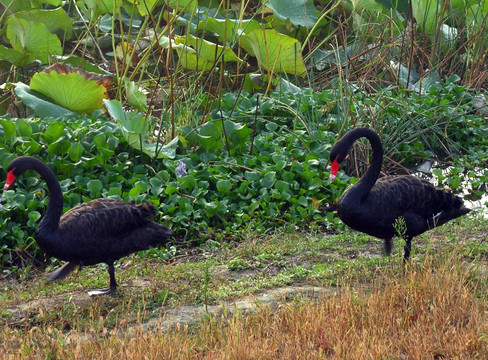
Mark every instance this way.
x=222 y=114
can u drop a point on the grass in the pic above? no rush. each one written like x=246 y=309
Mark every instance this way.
x=376 y=308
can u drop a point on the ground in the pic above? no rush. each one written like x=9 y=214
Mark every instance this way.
x=214 y=278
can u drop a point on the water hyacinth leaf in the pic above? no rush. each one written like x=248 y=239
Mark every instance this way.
x=23 y=128
x=274 y=51
x=71 y=91
x=114 y=192
x=224 y=186
x=251 y=175
x=299 y=12
x=8 y=129
x=75 y=152
x=34 y=216
x=53 y=132
x=29 y=37
x=268 y=179
x=210 y=137
x=135 y=97
x=162 y=151
x=135 y=128
x=99 y=140
x=30 y=147
x=135 y=191
x=187 y=182
x=5 y=158
x=237 y=133
x=94 y=186
x=59 y=147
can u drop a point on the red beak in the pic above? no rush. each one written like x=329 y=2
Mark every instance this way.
x=10 y=179
x=334 y=168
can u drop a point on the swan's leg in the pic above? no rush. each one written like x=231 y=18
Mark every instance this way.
x=388 y=247
x=113 y=284
x=408 y=248
x=111 y=272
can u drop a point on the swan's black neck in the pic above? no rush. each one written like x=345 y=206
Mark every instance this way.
x=364 y=185
x=50 y=220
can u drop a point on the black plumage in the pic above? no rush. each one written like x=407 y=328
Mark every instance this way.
x=99 y=231
x=373 y=205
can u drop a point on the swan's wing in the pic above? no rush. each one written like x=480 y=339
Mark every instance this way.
x=409 y=194
x=106 y=217
x=105 y=230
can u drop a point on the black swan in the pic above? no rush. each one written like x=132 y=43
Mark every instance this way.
x=372 y=205
x=102 y=230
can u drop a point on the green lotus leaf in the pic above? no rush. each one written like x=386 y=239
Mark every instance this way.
x=180 y=5
x=204 y=57
x=55 y=20
x=71 y=91
x=299 y=12
x=93 y=9
x=31 y=38
x=39 y=103
x=15 y=5
x=16 y=57
x=274 y=51
x=228 y=29
x=146 y=7
x=206 y=49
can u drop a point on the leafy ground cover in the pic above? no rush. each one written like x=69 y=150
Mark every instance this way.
x=266 y=164
x=222 y=114
x=434 y=306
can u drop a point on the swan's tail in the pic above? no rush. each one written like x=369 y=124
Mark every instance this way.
x=62 y=271
x=451 y=209
x=147 y=209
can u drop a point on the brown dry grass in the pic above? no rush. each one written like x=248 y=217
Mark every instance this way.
x=432 y=310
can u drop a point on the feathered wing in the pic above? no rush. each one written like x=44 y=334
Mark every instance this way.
x=416 y=200
x=105 y=230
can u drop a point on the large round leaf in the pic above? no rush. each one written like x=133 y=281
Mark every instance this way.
x=39 y=103
x=299 y=12
x=71 y=91
x=31 y=38
x=274 y=51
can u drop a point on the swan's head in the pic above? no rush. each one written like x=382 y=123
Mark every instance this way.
x=16 y=168
x=336 y=157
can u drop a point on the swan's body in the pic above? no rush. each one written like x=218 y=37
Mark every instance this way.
x=373 y=205
x=102 y=230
